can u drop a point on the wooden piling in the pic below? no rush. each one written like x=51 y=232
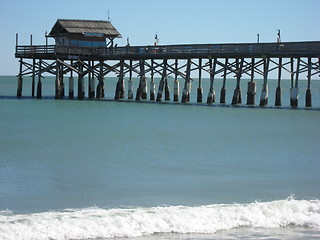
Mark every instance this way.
x=166 y=90
x=100 y=86
x=81 y=92
x=292 y=78
x=142 y=89
x=294 y=93
x=211 y=94
x=39 y=85
x=57 y=82
x=71 y=83
x=223 y=88
x=176 y=88
x=119 y=93
x=278 y=89
x=264 y=92
x=237 y=92
x=162 y=81
x=251 y=93
x=200 y=89
x=20 y=79
x=152 y=83
x=185 y=92
x=308 y=91
x=33 y=77
x=130 y=83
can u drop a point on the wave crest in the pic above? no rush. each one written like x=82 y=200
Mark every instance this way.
x=107 y=223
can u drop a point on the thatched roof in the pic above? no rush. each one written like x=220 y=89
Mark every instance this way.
x=68 y=26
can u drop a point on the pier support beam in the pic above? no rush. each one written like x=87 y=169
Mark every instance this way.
x=251 y=93
x=294 y=93
x=152 y=83
x=71 y=83
x=39 y=85
x=223 y=88
x=278 y=89
x=33 y=76
x=81 y=92
x=237 y=92
x=200 y=89
x=20 y=79
x=119 y=93
x=186 y=89
x=176 y=88
x=166 y=90
x=264 y=92
x=91 y=82
x=58 y=82
x=162 y=81
x=211 y=94
x=142 y=89
x=130 y=83
x=308 y=91
x=100 y=87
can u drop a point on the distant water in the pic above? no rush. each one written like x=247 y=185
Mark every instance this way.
x=106 y=169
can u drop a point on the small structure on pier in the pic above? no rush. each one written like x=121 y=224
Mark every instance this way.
x=83 y=33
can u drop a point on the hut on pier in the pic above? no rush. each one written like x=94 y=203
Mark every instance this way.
x=83 y=33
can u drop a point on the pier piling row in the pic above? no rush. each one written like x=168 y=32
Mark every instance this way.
x=172 y=62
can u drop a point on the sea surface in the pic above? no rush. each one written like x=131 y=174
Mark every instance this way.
x=91 y=169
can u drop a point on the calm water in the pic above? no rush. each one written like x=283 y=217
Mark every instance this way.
x=105 y=169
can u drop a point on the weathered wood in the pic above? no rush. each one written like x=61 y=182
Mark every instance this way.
x=237 y=92
x=186 y=93
x=308 y=91
x=200 y=89
x=100 y=86
x=162 y=81
x=39 y=85
x=278 y=89
x=264 y=92
x=20 y=79
x=251 y=93
x=223 y=88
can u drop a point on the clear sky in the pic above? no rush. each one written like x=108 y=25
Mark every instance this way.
x=175 y=21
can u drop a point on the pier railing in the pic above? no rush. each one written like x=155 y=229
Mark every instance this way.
x=285 y=49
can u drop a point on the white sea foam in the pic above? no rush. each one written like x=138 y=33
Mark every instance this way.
x=108 y=223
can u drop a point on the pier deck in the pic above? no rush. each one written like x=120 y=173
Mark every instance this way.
x=233 y=50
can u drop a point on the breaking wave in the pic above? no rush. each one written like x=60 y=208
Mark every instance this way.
x=93 y=223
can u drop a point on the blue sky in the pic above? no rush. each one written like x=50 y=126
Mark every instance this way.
x=175 y=21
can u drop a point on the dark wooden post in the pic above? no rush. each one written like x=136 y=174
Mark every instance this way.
x=71 y=83
x=200 y=89
x=294 y=94
x=237 y=92
x=33 y=76
x=223 y=88
x=100 y=87
x=264 y=93
x=57 y=83
x=39 y=86
x=119 y=93
x=161 y=83
x=251 y=93
x=176 y=83
x=152 y=83
x=130 y=84
x=20 y=79
x=80 y=82
x=211 y=94
x=308 y=91
x=292 y=78
x=278 y=90
x=186 y=93
x=142 y=88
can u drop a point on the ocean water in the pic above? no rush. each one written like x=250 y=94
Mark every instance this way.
x=74 y=169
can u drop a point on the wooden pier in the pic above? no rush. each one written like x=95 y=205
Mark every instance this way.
x=93 y=55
